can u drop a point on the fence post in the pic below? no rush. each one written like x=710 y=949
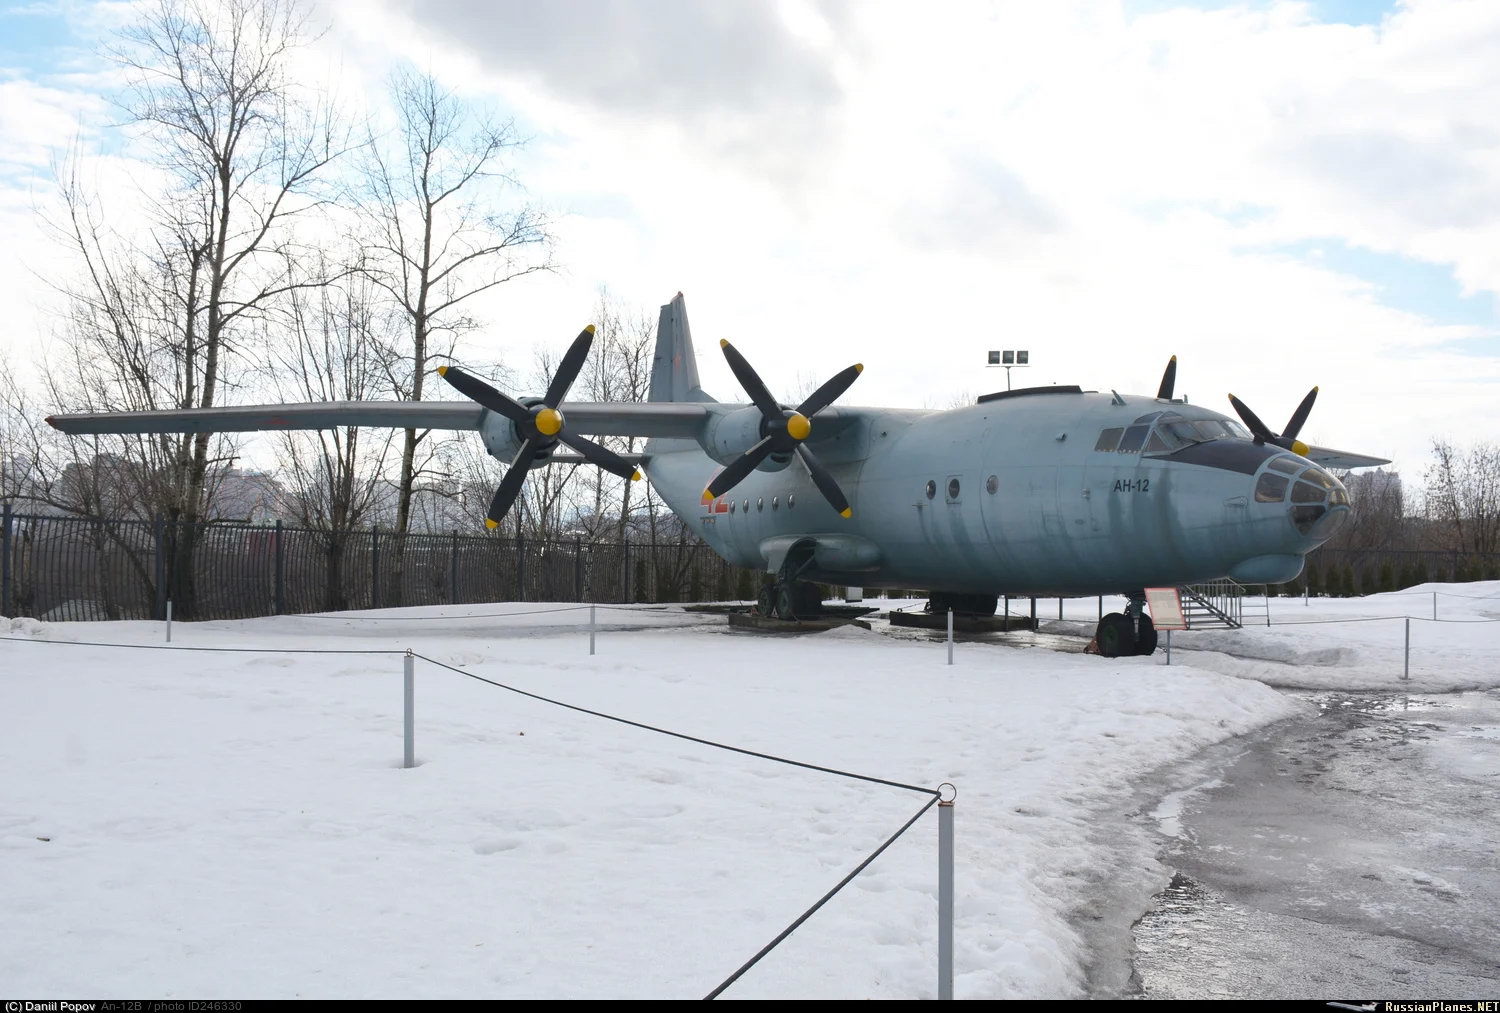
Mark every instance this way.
x=625 y=556
x=374 y=566
x=578 y=569
x=950 y=636
x=1406 y=652
x=409 y=759
x=1059 y=607
x=159 y=565
x=280 y=572
x=169 y=620
x=591 y=631
x=1434 y=606
x=453 y=572
x=1169 y=646
x=5 y=517
x=520 y=566
x=1033 y=611
x=945 y=894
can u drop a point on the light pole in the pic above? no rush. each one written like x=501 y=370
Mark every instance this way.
x=1010 y=359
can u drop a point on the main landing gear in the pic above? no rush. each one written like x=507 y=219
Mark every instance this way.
x=787 y=597
x=1122 y=634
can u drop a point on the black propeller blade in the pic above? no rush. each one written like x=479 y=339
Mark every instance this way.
x=1287 y=440
x=541 y=426
x=782 y=430
x=1168 y=380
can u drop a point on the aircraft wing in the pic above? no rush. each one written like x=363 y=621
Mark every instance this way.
x=1342 y=459
x=668 y=420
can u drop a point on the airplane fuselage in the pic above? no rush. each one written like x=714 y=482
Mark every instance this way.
x=1018 y=496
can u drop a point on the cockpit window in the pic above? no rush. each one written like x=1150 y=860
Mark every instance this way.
x=1133 y=440
x=1109 y=439
x=1306 y=492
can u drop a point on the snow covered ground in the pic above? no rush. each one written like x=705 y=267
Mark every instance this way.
x=209 y=824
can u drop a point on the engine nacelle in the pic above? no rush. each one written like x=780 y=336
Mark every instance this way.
x=501 y=439
x=729 y=435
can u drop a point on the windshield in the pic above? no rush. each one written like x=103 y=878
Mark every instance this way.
x=1173 y=432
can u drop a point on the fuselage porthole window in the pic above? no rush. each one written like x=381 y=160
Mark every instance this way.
x=791 y=500
x=992 y=484
x=775 y=502
x=931 y=488
x=732 y=505
x=953 y=488
x=760 y=504
x=745 y=506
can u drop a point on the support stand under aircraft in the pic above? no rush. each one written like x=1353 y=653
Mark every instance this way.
x=1047 y=491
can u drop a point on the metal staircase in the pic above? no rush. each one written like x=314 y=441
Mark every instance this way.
x=1222 y=605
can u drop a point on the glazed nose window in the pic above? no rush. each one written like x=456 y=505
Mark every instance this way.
x=1271 y=488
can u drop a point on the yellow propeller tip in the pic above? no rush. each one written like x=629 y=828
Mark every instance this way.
x=1174 y=358
x=846 y=512
x=859 y=367
x=589 y=328
x=723 y=342
x=708 y=497
x=1315 y=390
x=637 y=476
x=442 y=370
x=492 y=525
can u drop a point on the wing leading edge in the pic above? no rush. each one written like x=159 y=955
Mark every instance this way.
x=623 y=419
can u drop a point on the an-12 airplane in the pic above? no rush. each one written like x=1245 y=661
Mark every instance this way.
x=1042 y=491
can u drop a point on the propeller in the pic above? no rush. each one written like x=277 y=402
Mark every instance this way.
x=1288 y=438
x=541 y=426
x=783 y=430
x=1168 y=381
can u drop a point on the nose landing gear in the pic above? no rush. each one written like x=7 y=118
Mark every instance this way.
x=1128 y=633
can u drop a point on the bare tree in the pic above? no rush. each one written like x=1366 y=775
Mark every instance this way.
x=1463 y=495
x=437 y=240
x=334 y=348
x=167 y=319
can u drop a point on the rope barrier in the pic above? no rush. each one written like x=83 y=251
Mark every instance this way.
x=175 y=647
x=680 y=735
x=822 y=900
x=657 y=609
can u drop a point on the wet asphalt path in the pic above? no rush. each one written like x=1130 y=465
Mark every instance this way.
x=1351 y=854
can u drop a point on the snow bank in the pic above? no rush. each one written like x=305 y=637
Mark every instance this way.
x=193 y=824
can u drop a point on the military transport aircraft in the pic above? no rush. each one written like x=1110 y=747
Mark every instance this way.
x=1040 y=491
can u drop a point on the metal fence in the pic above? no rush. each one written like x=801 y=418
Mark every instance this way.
x=88 y=568
x=1367 y=571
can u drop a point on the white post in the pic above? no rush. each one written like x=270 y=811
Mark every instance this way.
x=1406 y=666
x=1169 y=647
x=1434 y=606
x=410 y=759
x=1304 y=594
x=1268 y=606
x=169 y=620
x=950 y=636
x=945 y=897
x=591 y=630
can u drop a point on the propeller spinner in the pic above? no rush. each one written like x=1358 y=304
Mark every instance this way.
x=783 y=430
x=541 y=426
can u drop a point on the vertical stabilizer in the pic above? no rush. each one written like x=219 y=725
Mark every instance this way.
x=674 y=368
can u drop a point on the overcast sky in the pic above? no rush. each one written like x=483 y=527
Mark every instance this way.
x=1282 y=194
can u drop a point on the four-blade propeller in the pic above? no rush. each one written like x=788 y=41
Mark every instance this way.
x=1288 y=438
x=541 y=426
x=783 y=430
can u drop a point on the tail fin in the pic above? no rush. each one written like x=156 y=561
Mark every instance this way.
x=674 y=368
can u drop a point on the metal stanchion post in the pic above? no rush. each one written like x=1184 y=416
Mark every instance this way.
x=169 y=620
x=1434 y=605
x=950 y=636
x=410 y=759
x=1169 y=646
x=591 y=631
x=1101 y=608
x=1406 y=666
x=1059 y=608
x=945 y=895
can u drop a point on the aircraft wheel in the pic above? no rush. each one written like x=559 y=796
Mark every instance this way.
x=1116 y=636
x=1145 y=637
x=765 y=603
x=786 y=602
